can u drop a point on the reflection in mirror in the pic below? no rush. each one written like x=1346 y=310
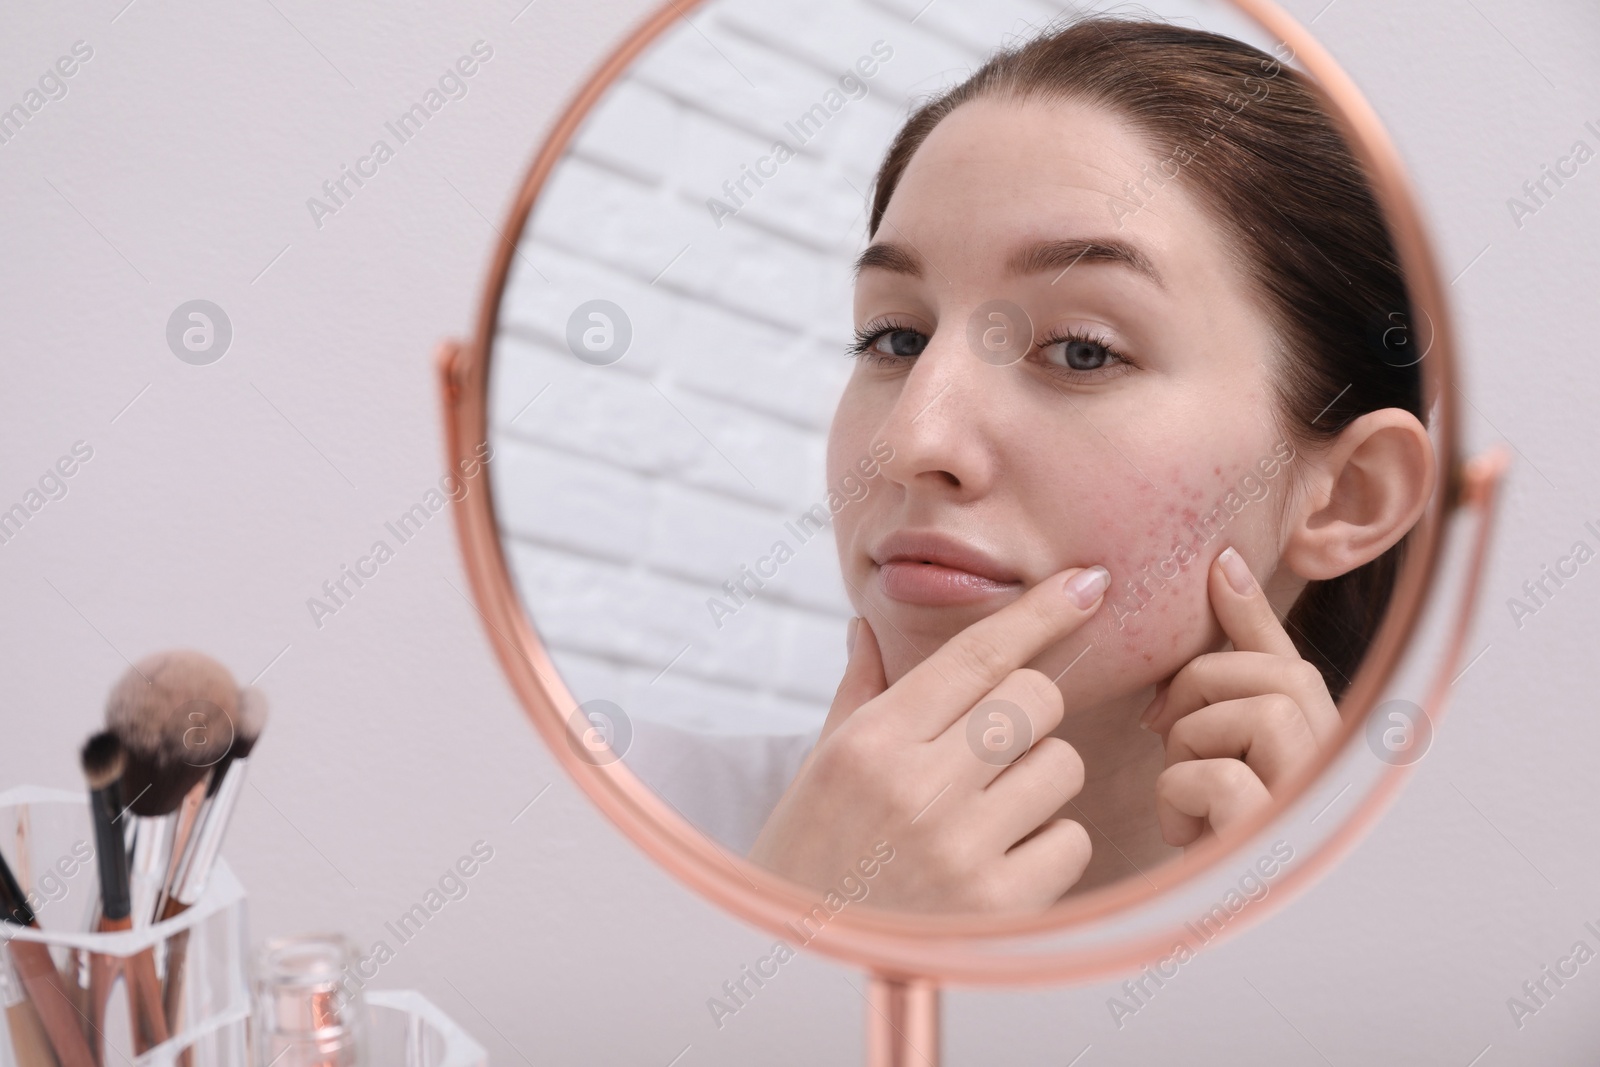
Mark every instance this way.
x=964 y=451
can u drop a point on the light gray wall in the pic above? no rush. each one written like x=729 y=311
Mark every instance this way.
x=219 y=498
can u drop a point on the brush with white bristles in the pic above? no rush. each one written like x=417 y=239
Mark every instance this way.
x=227 y=782
x=189 y=883
x=174 y=713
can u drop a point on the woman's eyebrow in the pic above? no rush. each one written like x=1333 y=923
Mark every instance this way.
x=891 y=258
x=1065 y=254
x=1061 y=255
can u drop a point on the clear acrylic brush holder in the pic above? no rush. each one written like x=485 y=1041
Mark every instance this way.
x=193 y=966
x=405 y=1029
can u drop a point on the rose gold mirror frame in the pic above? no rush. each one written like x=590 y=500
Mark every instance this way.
x=909 y=956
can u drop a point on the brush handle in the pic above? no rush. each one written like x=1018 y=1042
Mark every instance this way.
x=151 y=848
x=172 y=994
x=57 y=1011
x=185 y=821
x=29 y=1042
x=110 y=848
x=74 y=975
x=151 y=1017
x=206 y=842
x=148 y=1018
x=200 y=856
x=103 y=971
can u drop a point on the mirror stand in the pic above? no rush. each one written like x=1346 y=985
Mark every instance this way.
x=902 y=1022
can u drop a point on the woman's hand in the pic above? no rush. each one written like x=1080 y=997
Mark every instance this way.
x=1236 y=724
x=972 y=827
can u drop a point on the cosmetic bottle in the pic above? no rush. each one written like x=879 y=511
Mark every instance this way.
x=309 y=1009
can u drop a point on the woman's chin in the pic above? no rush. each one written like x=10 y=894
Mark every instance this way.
x=907 y=636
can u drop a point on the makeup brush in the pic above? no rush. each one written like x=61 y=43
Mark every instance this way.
x=227 y=782
x=102 y=758
x=103 y=761
x=174 y=714
x=104 y=768
x=47 y=1005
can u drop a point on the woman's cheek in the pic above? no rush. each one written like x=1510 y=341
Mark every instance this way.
x=847 y=441
x=1159 y=544
x=1155 y=622
x=849 y=446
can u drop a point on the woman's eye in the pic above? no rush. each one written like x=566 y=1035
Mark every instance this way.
x=1079 y=354
x=900 y=343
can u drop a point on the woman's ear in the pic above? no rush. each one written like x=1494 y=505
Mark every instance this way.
x=1362 y=494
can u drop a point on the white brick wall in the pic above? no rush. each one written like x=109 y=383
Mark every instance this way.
x=631 y=492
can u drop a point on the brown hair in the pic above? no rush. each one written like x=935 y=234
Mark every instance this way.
x=1266 y=161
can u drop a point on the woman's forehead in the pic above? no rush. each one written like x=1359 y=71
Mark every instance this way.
x=1029 y=143
x=1000 y=175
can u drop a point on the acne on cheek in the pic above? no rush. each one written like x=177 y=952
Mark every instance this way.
x=1161 y=542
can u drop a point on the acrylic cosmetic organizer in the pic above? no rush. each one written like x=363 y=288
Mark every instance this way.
x=405 y=1029
x=194 y=965
x=46 y=837
x=48 y=842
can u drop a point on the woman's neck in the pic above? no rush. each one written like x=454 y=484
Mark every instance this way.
x=1117 y=804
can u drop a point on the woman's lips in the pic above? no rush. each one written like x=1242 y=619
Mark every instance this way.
x=934 y=568
x=934 y=585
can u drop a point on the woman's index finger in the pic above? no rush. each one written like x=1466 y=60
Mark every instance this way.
x=940 y=689
x=1242 y=608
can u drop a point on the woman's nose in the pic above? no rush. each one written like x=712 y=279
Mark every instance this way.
x=941 y=421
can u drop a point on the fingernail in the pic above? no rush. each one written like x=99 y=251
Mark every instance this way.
x=850 y=635
x=1153 y=710
x=1085 y=587
x=1238 y=572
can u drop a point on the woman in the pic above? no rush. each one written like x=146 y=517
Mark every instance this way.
x=1132 y=330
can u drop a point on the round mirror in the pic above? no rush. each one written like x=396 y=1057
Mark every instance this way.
x=963 y=478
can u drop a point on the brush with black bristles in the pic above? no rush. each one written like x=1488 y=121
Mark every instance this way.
x=174 y=714
x=104 y=768
x=103 y=762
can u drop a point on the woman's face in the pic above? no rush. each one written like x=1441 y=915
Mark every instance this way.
x=1136 y=432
